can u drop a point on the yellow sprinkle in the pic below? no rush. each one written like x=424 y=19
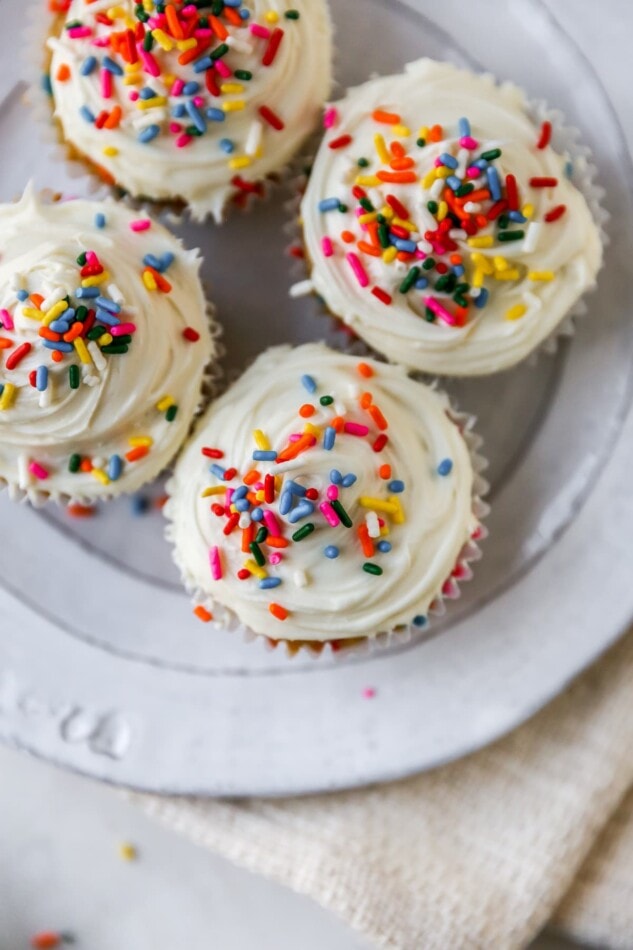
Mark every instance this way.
x=132 y=80
x=381 y=149
x=368 y=181
x=127 y=851
x=165 y=403
x=401 y=131
x=377 y=504
x=384 y=531
x=261 y=440
x=366 y=218
x=55 y=310
x=165 y=42
x=510 y=274
x=152 y=103
x=404 y=224
x=101 y=476
x=389 y=254
x=260 y=495
x=141 y=440
x=387 y=212
x=242 y=161
x=131 y=67
x=541 y=275
x=483 y=240
x=233 y=106
x=429 y=178
x=514 y=313
x=442 y=210
x=527 y=210
x=231 y=88
x=478 y=278
x=82 y=350
x=148 y=280
x=184 y=45
x=398 y=515
x=110 y=151
x=115 y=13
x=501 y=263
x=214 y=490
x=482 y=263
x=7 y=397
x=168 y=79
x=310 y=429
x=95 y=281
x=443 y=172
x=32 y=313
x=423 y=132
x=271 y=16
x=105 y=339
x=253 y=568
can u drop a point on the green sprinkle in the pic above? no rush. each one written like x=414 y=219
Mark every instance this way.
x=261 y=535
x=372 y=568
x=74 y=462
x=460 y=301
x=409 y=280
x=366 y=204
x=115 y=349
x=446 y=283
x=491 y=154
x=383 y=235
x=338 y=508
x=148 y=41
x=81 y=313
x=292 y=14
x=244 y=74
x=171 y=413
x=74 y=376
x=81 y=260
x=511 y=235
x=257 y=553
x=464 y=190
x=462 y=288
x=428 y=264
x=363 y=163
x=219 y=51
x=342 y=208
x=432 y=206
x=503 y=221
x=420 y=142
x=193 y=130
x=326 y=400
x=303 y=532
x=429 y=315
x=96 y=333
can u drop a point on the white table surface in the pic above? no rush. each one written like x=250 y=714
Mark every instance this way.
x=59 y=834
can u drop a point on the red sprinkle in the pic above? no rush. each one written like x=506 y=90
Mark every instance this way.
x=380 y=442
x=190 y=334
x=555 y=213
x=243 y=574
x=543 y=182
x=512 y=193
x=274 y=42
x=545 y=136
x=382 y=295
x=17 y=355
x=47 y=940
x=398 y=207
x=340 y=142
x=230 y=474
x=271 y=117
x=212 y=453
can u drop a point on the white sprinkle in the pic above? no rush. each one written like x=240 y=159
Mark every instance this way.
x=300 y=579
x=52 y=299
x=472 y=207
x=373 y=527
x=302 y=288
x=239 y=45
x=98 y=461
x=245 y=520
x=437 y=188
x=457 y=234
x=24 y=476
x=254 y=138
x=114 y=293
x=46 y=396
x=97 y=356
x=353 y=390
x=532 y=235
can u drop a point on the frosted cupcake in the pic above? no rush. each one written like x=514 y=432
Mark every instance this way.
x=189 y=103
x=104 y=340
x=322 y=499
x=443 y=226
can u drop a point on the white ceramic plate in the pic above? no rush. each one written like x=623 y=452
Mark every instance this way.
x=104 y=670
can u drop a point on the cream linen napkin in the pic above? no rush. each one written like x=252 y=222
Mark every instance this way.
x=477 y=854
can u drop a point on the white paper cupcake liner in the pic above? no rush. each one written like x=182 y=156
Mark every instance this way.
x=566 y=139
x=225 y=618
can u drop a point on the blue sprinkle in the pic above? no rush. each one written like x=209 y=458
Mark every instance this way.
x=329 y=204
x=295 y=488
x=257 y=514
x=62 y=347
x=331 y=551
x=329 y=438
x=267 y=583
x=167 y=260
x=149 y=134
x=147 y=93
x=150 y=261
x=216 y=115
x=445 y=467
x=261 y=456
x=335 y=477
x=59 y=326
x=453 y=182
x=1 y=388
x=569 y=169
x=41 y=378
x=88 y=65
x=227 y=145
x=481 y=299
x=302 y=510
x=448 y=160
x=481 y=163
x=196 y=116
x=104 y=316
x=140 y=504
x=349 y=480
x=517 y=216
x=396 y=486
x=232 y=3
x=86 y=114
x=459 y=270
x=108 y=304
x=244 y=13
x=409 y=246
x=422 y=283
x=308 y=383
x=420 y=621
x=111 y=66
x=190 y=88
x=22 y=295
x=115 y=467
x=47 y=85
x=464 y=127
x=100 y=220
x=384 y=547
x=69 y=315
x=285 y=503
x=242 y=504
x=178 y=110
x=494 y=183
x=87 y=292
x=217 y=470
x=203 y=64
x=240 y=492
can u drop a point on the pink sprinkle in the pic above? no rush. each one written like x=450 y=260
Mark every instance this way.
x=332 y=492
x=330 y=515
x=149 y=63
x=294 y=437
x=439 y=311
x=355 y=428
x=91 y=258
x=467 y=141
x=326 y=247
x=7 y=320
x=473 y=172
x=202 y=34
x=223 y=69
x=276 y=558
x=420 y=255
x=189 y=10
x=330 y=118
x=141 y=224
x=228 y=496
x=369 y=692
x=215 y=563
x=106 y=84
x=177 y=87
x=79 y=32
x=198 y=101
x=183 y=140
x=359 y=270
x=272 y=524
x=438 y=162
x=122 y=329
x=133 y=95
x=261 y=31
x=38 y=470
x=101 y=41
x=175 y=128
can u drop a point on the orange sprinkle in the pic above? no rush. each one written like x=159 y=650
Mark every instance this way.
x=306 y=410
x=37 y=300
x=218 y=28
x=480 y=194
x=456 y=259
x=365 y=540
x=276 y=609
x=85 y=465
x=338 y=423
x=248 y=536
x=365 y=370
x=385 y=471
x=347 y=236
x=47 y=940
x=173 y=22
x=139 y=452
x=190 y=54
x=161 y=283
x=400 y=164
x=81 y=511
x=233 y=16
x=56 y=356
x=296 y=448
x=103 y=174
x=372 y=231
x=251 y=477
x=203 y=614
x=5 y=343
x=63 y=73
x=275 y=542
x=365 y=400
x=75 y=331
x=252 y=497
x=397 y=150
x=49 y=334
x=404 y=256
x=113 y=119
x=397 y=178
x=388 y=118
x=436 y=134
x=370 y=249
x=378 y=417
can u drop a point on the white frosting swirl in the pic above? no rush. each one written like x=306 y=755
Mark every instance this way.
x=294 y=86
x=327 y=598
x=117 y=395
x=551 y=266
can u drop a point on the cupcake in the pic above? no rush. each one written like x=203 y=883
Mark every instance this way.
x=322 y=499
x=104 y=340
x=189 y=104
x=443 y=226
